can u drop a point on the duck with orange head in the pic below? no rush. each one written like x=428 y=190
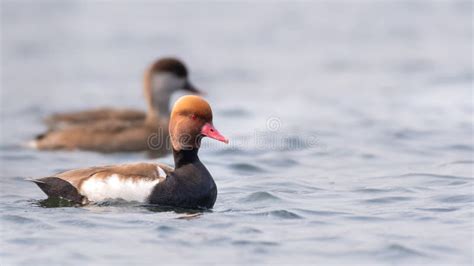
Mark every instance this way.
x=188 y=185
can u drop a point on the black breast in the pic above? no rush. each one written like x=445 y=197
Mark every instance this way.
x=190 y=185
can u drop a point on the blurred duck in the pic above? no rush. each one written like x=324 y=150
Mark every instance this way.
x=115 y=130
x=162 y=79
x=188 y=185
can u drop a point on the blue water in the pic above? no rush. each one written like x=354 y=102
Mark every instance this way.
x=351 y=128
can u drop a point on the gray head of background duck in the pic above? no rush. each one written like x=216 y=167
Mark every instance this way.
x=162 y=79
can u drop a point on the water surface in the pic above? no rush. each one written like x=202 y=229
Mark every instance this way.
x=350 y=125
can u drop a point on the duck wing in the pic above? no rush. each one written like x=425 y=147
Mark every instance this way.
x=92 y=136
x=62 y=120
x=133 y=182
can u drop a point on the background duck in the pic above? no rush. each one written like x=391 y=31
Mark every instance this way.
x=116 y=130
x=162 y=78
x=189 y=185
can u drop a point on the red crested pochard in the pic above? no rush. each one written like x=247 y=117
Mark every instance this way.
x=188 y=185
x=110 y=130
x=164 y=77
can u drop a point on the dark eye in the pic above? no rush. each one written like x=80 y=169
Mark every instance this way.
x=193 y=117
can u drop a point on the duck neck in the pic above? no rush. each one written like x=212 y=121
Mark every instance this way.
x=158 y=108
x=184 y=157
x=160 y=103
x=158 y=97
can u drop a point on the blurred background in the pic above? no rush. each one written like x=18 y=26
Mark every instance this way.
x=367 y=106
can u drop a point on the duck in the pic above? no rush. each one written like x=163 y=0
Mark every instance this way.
x=188 y=185
x=114 y=130
x=162 y=78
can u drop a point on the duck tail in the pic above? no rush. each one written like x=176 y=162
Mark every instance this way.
x=44 y=185
x=55 y=187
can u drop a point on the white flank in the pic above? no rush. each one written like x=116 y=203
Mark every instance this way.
x=114 y=187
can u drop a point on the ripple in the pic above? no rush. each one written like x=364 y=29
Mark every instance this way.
x=14 y=157
x=457 y=183
x=283 y=214
x=79 y=223
x=363 y=218
x=368 y=156
x=280 y=162
x=323 y=213
x=385 y=200
x=292 y=186
x=460 y=147
x=166 y=229
x=441 y=248
x=136 y=222
x=28 y=241
x=246 y=167
x=10 y=196
x=17 y=219
x=370 y=190
x=436 y=176
x=222 y=225
x=397 y=251
x=254 y=243
x=260 y=196
x=426 y=218
x=249 y=230
x=438 y=209
x=381 y=190
x=458 y=162
x=407 y=134
x=457 y=199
